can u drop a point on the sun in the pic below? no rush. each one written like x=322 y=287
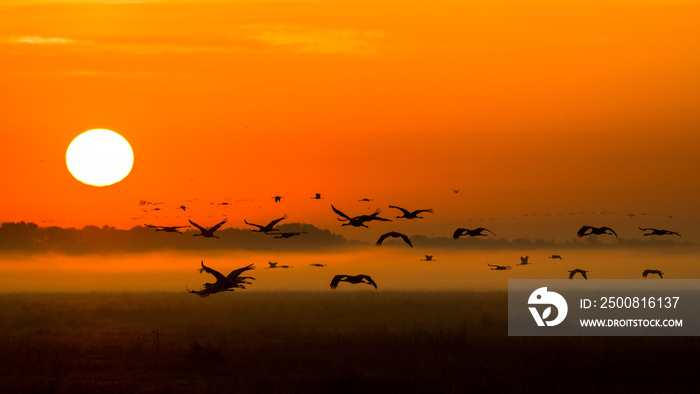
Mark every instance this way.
x=99 y=157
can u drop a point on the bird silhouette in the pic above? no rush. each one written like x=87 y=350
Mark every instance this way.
x=498 y=267
x=394 y=234
x=411 y=214
x=472 y=233
x=223 y=283
x=266 y=228
x=358 y=221
x=352 y=279
x=577 y=271
x=208 y=233
x=654 y=231
x=428 y=258
x=555 y=257
x=317 y=196
x=275 y=265
x=524 y=260
x=278 y=198
x=167 y=229
x=657 y=272
x=590 y=230
x=317 y=265
x=287 y=234
x=455 y=190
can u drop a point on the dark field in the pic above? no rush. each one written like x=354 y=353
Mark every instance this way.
x=324 y=342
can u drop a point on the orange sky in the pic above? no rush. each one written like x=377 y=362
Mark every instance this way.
x=530 y=107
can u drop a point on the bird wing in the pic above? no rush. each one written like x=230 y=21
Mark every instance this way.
x=417 y=211
x=216 y=227
x=235 y=273
x=202 y=229
x=371 y=282
x=645 y=229
x=458 y=233
x=480 y=229
x=582 y=231
x=405 y=239
x=611 y=230
x=336 y=280
x=272 y=223
x=645 y=273
x=252 y=224
x=382 y=238
x=218 y=275
x=661 y=274
x=584 y=274
x=340 y=213
x=571 y=274
x=405 y=212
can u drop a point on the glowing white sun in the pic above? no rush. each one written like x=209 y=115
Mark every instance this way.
x=99 y=157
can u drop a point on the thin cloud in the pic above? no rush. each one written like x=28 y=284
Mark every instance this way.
x=325 y=41
x=40 y=40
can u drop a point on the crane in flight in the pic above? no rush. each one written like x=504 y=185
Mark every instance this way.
x=266 y=228
x=590 y=230
x=653 y=272
x=394 y=234
x=208 y=233
x=223 y=283
x=167 y=229
x=498 y=267
x=428 y=258
x=655 y=231
x=577 y=271
x=411 y=214
x=358 y=221
x=477 y=232
x=352 y=279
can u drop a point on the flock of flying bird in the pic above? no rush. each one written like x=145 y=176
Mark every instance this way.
x=234 y=279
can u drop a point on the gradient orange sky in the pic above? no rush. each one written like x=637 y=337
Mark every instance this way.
x=533 y=108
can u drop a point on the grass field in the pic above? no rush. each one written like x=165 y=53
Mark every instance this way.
x=314 y=342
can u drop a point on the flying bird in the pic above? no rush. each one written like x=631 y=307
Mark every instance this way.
x=590 y=230
x=555 y=257
x=654 y=231
x=358 y=221
x=167 y=229
x=498 y=267
x=455 y=190
x=472 y=233
x=577 y=271
x=317 y=196
x=287 y=234
x=428 y=258
x=523 y=260
x=266 y=228
x=208 y=233
x=317 y=265
x=277 y=198
x=394 y=234
x=657 y=272
x=223 y=283
x=274 y=265
x=352 y=279
x=411 y=214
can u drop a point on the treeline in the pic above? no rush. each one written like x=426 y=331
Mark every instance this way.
x=29 y=237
